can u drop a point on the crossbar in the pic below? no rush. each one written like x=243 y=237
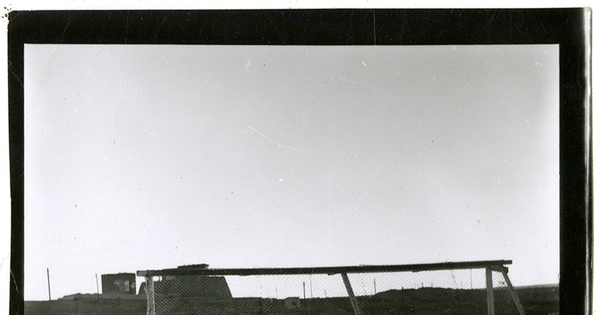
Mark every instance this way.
x=324 y=270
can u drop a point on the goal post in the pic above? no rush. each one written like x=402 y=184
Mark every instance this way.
x=475 y=287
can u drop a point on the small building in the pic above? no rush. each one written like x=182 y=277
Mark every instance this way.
x=119 y=283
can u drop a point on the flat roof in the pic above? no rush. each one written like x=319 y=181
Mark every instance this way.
x=324 y=270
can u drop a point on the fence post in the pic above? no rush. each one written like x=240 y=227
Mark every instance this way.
x=490 y=290
x=353 y=300
x=150 y=307
x=512 y=291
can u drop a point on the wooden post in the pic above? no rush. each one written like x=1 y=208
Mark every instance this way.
x=512 y=291
x=150 y=307
x=353 y=300
x=490 y=290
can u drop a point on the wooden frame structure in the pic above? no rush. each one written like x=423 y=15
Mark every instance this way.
x=202 y=270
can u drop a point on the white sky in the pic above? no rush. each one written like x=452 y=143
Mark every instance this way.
x=148 y=157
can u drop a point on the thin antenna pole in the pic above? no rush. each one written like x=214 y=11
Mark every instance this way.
x=48 y=276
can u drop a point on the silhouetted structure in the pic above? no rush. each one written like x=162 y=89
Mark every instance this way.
x=120 y=283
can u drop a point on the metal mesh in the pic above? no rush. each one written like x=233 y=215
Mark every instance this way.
x=503 y=300
x=376 y=293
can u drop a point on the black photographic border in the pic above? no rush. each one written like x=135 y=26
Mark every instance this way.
x=565 y=27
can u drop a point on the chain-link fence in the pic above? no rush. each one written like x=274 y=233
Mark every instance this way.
x=447 y=288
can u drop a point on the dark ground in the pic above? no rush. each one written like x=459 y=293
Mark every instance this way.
x=538 y=300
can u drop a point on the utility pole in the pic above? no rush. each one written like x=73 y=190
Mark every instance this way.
x=304 y=289
x=97 y=288
x=48 y=276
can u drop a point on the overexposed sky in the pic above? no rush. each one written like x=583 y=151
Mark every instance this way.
x=148 y=157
